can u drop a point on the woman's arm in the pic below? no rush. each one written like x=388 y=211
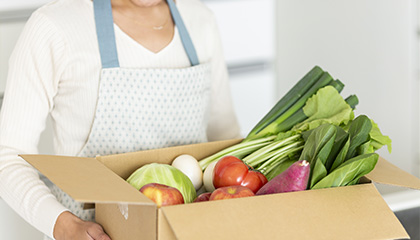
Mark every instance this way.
x=31 y=84
x=35 y=68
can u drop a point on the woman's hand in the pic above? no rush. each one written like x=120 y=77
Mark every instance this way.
x=70 y=227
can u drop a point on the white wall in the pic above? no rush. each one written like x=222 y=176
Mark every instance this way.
x=249 y=47
x=370 y=45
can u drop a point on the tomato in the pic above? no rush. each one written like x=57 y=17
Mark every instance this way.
x=232 y=171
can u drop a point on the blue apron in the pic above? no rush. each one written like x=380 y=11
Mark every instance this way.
x=139 y=109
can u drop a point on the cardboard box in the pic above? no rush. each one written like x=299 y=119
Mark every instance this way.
x=352 y=212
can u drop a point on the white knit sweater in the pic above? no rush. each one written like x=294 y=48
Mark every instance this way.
x=55 y=70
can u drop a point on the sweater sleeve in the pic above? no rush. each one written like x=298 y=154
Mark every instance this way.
x=223 y=123
x=34 y=70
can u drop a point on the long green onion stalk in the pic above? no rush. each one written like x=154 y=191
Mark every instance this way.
x=239 y=150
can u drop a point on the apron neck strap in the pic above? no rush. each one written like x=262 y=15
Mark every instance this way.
x=183 y=33
x=106 y=34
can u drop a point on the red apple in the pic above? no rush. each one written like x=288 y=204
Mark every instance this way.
x=203 y=197
x=162 y=195
x=231 y=192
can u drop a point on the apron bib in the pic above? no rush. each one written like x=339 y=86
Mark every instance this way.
x=140 y=109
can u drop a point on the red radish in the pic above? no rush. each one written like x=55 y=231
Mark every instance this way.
x=295 y=178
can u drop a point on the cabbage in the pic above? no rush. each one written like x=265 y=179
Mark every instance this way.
x=163 y=174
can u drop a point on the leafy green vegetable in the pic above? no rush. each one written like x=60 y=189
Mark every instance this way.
x=326 y=106
x=312 y=122
x=349 y=172
x=341 y=157
x=319 y=137
x=337 y=114
x=317 y=149
x=340 y=141
x=329 y=148
x=365 y=148
x=359 y=130
x=318 y=173
x=377 y=140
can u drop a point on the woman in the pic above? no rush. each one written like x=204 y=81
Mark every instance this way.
x=115 y=76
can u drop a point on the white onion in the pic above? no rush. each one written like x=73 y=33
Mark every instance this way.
x=190 y=167
x=208 y=177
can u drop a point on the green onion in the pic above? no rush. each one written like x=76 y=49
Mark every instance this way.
x=291 y=97
x=337 y=84
x=239 y=150
x=274 y=127
x=352 y=100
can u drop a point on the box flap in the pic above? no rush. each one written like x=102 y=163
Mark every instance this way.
x=85 y=179
x=164 y=230
x=125 y=164
x=139 y=221
x=354 y=212
x=387 y=173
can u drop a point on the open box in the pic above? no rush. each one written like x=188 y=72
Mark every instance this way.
x=352 y=212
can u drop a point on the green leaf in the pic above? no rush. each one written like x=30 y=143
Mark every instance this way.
x=359 y=130
x=340 y=141
x=365 y=148
x=319 y=170
x=326 y=106
x=318 y=173
x=323 y=135
x=349 y=172
x=306 y=134
x=341 y=157
x=316 y=150
x=378 y=139
x=354 y=182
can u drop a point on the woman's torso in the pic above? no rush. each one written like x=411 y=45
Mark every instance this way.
x=77 y=88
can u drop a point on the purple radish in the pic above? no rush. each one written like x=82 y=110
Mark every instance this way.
x=295 y=178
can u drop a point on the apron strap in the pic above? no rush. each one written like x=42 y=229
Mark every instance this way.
x=106 y=34
x=183 y=33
